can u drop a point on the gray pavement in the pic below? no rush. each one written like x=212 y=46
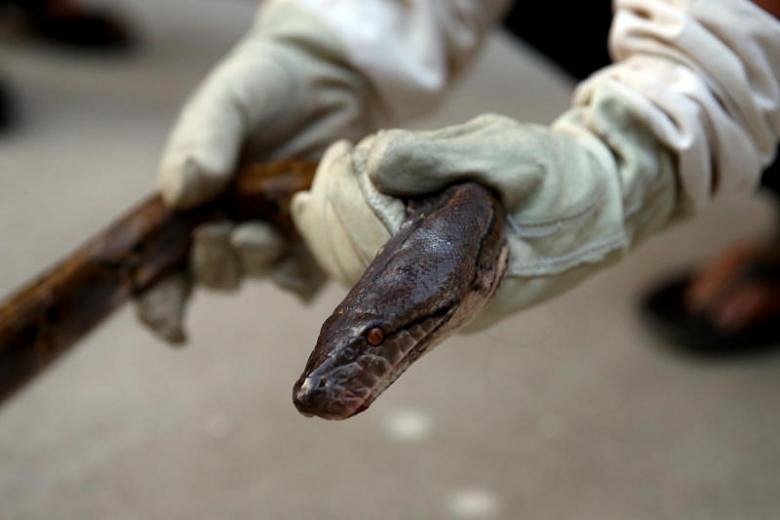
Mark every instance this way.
x=570 y=410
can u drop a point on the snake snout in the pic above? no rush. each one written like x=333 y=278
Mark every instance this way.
x=307 y=396
x=328 y=398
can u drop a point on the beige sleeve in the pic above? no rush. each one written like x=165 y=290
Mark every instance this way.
x=705 y=74
x=410 y=50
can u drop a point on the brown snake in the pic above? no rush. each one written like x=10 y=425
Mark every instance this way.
x=434 y=275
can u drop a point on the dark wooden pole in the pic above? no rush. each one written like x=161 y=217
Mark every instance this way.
x=45 y=318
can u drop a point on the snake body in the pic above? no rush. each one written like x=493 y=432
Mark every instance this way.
x=435 y=274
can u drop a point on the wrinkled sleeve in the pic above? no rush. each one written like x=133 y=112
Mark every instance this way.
x=705 y=76
x=410 y=50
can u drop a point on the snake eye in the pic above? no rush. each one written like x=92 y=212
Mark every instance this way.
x=375 y=336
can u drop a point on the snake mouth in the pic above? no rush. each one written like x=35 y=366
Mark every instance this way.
x=339 y=389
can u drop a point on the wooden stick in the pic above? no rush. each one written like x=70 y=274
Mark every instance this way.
x=44 y=319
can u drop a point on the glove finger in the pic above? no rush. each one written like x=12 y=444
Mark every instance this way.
x=244 y=92
x=298 y=273
x=485 y=149
x=161 y=308
x=258 y=246
x=404 y=163
x=339 y=224
x=213 y=260
x=203 y=147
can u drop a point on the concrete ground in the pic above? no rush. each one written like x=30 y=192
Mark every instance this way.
x=571 y=410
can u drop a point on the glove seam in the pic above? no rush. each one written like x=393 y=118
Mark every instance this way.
x=603 y=247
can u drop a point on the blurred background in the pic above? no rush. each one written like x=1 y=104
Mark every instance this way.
x=571 y=410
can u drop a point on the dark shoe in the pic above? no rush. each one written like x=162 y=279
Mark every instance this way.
x=755 y=274
x=66 y=22
x=83 y=29
x=6 y=107
x=666 y=315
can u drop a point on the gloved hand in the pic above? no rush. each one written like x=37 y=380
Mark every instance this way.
x=578 y=194
x=285 y=91
x=689 y=111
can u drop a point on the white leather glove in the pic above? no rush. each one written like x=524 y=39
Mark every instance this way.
x=577 y=195
x=690 y=111
x=287 y=90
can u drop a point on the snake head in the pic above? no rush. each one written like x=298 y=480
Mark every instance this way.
x=431 y=277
